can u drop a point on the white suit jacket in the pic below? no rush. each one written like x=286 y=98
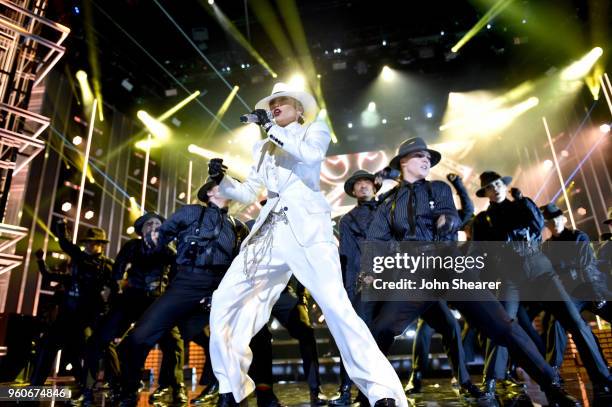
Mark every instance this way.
x=289 y=168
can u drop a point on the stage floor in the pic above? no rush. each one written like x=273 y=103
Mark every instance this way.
x=436 y=392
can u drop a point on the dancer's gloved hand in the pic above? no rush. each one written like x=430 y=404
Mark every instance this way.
x=446 y=225
x=263 y=119
x=452 y=177
x=216 y=169
x=516 y=194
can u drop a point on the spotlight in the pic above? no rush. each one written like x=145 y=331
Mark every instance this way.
x=211 y=2
x=442 y=33
x=77 y=140
x=581 y=68
x=66 y=206
x=371 y=107
x=130 y=230
x=297 y=82
x=387 y=74
x=156 y=127
x=384 y=43
x=604 y=128
x=547 y=164
x=86 y=91
x=349 y=125
x=384 y=121
x=489 y=26
x=89 y=214
x=429 y=115
x=564 y=153
x=153 y=180
x=581 y=211
x=182 y=196
x=524 y=21
x=406 y=118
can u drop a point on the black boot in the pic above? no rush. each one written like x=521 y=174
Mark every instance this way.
x=415 y=383
x=361 y=400
x=469 y=389
x=208 y=394
x=227 y=400
x=385 y=403
x=317 y=398
x=342 y=398
x=557 y=397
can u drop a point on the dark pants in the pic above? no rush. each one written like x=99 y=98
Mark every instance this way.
x=556 y=335
x=564 y=311
x=68 y=333
x=439 y=318
x=129 y=307
x=488 y=316
x=181 y=305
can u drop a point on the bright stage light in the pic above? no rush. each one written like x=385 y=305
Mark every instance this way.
x=234 y=165
x=384 y=121
x=581 y=211
x=387 y=74
x=547 y=164
x=604 y=128
x=371 y=107
x=77 y=140
x=297 y=82
x=497 y=8
x=89 y=214
x=349 y=125
x=178 y=106
x=66 y=206
x=130 y=230
x=182 y=196
x=370 y=117
x=581 y=68
x=157 y=128
x=86 y=92
x=211 y=2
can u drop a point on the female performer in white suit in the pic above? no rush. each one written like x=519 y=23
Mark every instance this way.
x=293 y=234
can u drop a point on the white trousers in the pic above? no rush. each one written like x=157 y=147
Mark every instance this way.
x=242 y=304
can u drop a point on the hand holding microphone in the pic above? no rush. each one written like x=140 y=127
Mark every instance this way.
x=259 y=116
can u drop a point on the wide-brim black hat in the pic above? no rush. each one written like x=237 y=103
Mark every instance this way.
x=604 y=237
x=410 y=146
x=489 y=177
x=357 y=175
x=203 y=191
x=143 y=219
x=550 y=211
x=95 y=235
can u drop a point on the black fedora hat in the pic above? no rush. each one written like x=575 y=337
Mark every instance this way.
x=203 y=191
x=410 y=146
x=95 y=235
x=143 y=219
x=550 y=211
x=487 y=178
x=357 y=175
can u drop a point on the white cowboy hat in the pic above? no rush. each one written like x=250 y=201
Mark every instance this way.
x=282 y=89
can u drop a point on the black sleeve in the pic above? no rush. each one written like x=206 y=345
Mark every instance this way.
x=467 y=206
x=67 y=246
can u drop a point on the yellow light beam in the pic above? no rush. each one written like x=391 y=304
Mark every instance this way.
x=221 y=112
x=86 y=92
x=145 y=175
x=489 y=15
x=234 y=165
x=293 y=22
x=214 y=10
x=582 y=67
x=178 y=106
x=554 y=154
x=92 y=52
x=157 y=128
x=272 y=26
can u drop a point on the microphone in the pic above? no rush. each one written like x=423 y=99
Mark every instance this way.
x=252 y=118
